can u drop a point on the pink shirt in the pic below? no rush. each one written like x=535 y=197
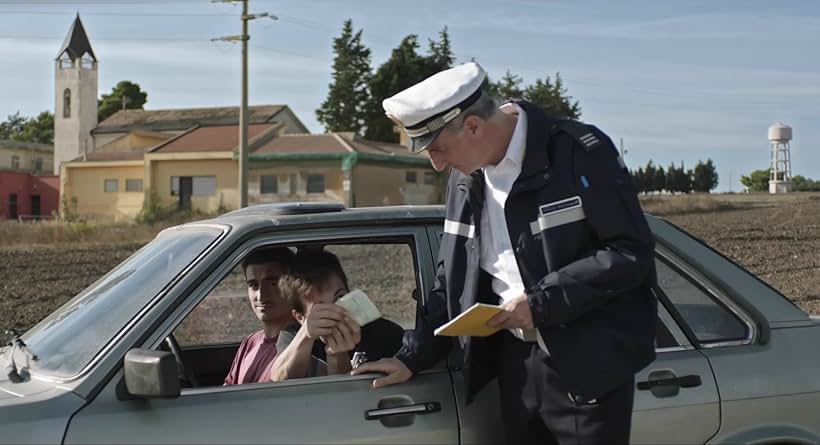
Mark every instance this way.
x=253 y=360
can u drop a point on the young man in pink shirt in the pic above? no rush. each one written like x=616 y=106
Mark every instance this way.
x=255 y=355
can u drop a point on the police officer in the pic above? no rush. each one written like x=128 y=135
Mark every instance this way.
x=542 y=219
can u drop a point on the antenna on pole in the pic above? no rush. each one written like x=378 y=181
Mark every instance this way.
x=243 y=108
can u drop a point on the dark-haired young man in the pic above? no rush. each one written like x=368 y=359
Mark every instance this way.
x=254 y=358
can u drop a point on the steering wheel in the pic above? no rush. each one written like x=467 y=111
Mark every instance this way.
x=186 y=374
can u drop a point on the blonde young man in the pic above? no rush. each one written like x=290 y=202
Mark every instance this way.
x=323 y=340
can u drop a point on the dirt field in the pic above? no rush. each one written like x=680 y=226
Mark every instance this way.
x=777 y=238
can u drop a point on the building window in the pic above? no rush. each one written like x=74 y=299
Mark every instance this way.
x=133 y=185
x=315 y=183
x=204 y=186
x=429 y=178
x=15 y=162
x=110 y=185
x=38 y=164
x=268 y=184
x=66 y=103
x=410 y=177
x=200 y=185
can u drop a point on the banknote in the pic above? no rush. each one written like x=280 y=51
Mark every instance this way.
x=359 y=306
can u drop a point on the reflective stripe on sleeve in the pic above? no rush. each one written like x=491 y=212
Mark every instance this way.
x=460 y=229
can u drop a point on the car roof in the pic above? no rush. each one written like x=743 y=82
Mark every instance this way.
x=293 y=215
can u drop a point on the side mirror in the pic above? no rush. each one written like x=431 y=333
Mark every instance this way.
x=151 y=374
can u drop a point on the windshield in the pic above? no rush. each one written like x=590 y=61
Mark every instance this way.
x=69 y=338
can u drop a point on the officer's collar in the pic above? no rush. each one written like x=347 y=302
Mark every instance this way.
x=539 y=129
x=536 y=162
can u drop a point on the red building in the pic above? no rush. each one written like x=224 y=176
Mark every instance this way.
x=26 y=195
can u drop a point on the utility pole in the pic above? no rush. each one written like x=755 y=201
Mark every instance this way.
x=243 y=108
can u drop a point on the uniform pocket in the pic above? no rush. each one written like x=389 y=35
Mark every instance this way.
x=558 y=213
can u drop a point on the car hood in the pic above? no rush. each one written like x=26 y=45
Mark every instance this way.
x=34 y=411
x=11 y=392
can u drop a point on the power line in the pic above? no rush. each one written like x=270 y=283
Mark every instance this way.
x=112 y=39
x=125 y=14
x=289 y=53
x=305 y=23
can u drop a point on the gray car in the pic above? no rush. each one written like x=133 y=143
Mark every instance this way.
x=140 y=355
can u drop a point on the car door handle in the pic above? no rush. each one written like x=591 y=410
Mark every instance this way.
x=416 y=408
x=686 y=381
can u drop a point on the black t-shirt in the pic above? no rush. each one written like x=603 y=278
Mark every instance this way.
x=381 y=338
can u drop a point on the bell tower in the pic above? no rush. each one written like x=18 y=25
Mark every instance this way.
x=75 y=96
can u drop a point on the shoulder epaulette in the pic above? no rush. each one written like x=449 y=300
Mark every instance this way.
x=586 y=135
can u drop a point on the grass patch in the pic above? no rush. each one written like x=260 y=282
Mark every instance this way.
x=14 y=233
x=664 y=205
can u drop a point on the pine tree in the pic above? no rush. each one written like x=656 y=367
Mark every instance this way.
x=348 y=94
x=659 y=181
x=649 y=176
x=552 y=97
x=704 y=177
x=507 y=88
x=404 y=68
x=440 y=53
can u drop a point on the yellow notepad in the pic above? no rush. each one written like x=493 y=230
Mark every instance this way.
x=471 y=323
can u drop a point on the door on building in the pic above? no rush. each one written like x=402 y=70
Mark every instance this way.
x=13 y=205
x=186 y=187
x=35 y=206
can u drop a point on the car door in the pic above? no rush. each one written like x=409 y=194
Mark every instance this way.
x=676 y=397
x=330 y=409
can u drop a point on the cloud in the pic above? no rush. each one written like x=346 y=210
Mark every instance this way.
x=709 y=26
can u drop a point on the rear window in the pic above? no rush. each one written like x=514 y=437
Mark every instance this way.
x=708 y=319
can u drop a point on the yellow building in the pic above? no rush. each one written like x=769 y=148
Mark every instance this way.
x=341 y=167
x=112 y=179
x=198 y=170
x=28 y=157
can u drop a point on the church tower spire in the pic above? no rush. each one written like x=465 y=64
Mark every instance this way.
x=75 y=91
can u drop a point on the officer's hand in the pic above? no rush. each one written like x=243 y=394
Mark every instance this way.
x=395 y=369
x=516 y=314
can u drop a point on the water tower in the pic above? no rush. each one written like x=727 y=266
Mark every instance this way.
x=780 y=180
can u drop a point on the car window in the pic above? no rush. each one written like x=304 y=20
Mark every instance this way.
x=663 y=337
x=385 y=272
x=708 y=319
x=224 y=316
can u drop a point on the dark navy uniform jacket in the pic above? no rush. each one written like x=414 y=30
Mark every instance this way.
x=584 y=251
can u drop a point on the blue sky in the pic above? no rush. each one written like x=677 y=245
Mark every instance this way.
x=678 y=81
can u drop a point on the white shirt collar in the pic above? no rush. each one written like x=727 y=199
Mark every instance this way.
x=518 y=141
